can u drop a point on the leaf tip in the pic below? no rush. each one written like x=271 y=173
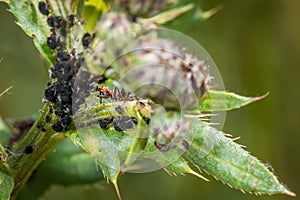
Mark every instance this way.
x=209 y=13
x=117 y=189
x=289 y=193
x=260 y=97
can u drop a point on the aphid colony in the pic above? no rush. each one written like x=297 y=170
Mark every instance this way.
x=67 y=64
x=61 y=89
x=115 y=94
x=121 y=121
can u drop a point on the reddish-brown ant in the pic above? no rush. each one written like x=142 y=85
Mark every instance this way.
x=104 y=93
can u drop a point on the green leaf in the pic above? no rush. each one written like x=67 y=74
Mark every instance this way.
x=167 y=16
x=73 y=136
x=78 y=166
x=65 y=165
x=109 y=140
x=33 y=24
x=112 y=174
x=6 y=186
x=204 y=15
x=228 y=162
x=99 y=191
x=89 y=143
x=222 y=100
x=92 y=11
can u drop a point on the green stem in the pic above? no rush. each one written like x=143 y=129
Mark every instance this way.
x=42 y=142
x=139 y=143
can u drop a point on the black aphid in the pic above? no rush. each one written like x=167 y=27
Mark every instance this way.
x=51 y=42
x=50 y=21
x=134 y=120
x=119 y=109
x=47 y=118
x=57 y=21
x=86 y=40
x=65 y=97
x=66 y=121
x=71 y=20
x=63 y=55
x=57 y=127
x=63 y=31
x=50 y=109
x=105 y=122
x=28 y=149
x=39 y=125
x=122 y=123
x=63 y=26
x=185 y=145
x=162 y=147
x=43 y=8
x=146 y=120
x=102 y=79
x=50 y=94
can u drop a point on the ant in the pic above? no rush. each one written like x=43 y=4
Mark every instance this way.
x=104 y=93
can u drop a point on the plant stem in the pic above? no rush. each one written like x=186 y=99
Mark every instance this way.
x=42 y=142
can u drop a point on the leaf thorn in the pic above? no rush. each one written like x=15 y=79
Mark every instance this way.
x=260 y=97
x=117 y=189
x=198 y=175
x=5 y=91
x=289 y=193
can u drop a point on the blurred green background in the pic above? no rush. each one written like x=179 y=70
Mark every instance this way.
x=256 y=46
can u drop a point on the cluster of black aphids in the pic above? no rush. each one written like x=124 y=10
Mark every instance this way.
x=67 y=64
x=120 y=123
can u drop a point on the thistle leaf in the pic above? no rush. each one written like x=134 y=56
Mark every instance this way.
x=92 y=11
x=6 y=186
x=167 y=16
x=33 y=24
x=111 y=167
x=222 y=100
x=78 y=165
x=78 y=168
x=228 y=162
x=204 y=15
